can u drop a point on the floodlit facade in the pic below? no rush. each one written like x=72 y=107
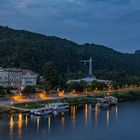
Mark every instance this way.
x=29 y=78
x=10 y=77
x=17 y=77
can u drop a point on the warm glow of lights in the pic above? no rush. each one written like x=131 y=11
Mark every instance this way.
x=22 y=87
x=85 y=90
x=74 y=92
x=61 y=94
x=20 y=123
x=96 y=113
x=26 y=120
x=108 y=94
x=11 y=124
x=86 y=113
x=73 y=115
x=42 y=95
x=17 y=97
x=49 y=124
x=63 y=119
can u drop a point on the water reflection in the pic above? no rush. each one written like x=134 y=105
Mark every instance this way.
x=49 y=124
x=116 y=110
x=84 y=116
x=73 y=115
x=26 y=120
x=107 y=117
x=96 y=114
x=11 y=125
x=63 y=119
x=86 y=113
x=20 y=123
x=38 y=123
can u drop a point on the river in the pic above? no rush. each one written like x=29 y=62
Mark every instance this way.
x=79 y=123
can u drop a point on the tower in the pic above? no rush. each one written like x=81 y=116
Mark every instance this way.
x=90 y=65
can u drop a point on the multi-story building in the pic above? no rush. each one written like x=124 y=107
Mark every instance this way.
x=3 y=77
x=29 y=78
x=17 y=77
x=14 y=77
x=10 y=77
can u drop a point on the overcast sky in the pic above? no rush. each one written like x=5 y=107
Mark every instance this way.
x=114 y=23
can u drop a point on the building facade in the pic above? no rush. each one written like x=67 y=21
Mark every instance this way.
x=10 y=77
x=29 y=78
x=17 y=77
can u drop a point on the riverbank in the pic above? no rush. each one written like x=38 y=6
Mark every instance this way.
x=72 y=101
x=122 y=95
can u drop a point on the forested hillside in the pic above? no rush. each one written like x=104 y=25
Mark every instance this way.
x=24 y=49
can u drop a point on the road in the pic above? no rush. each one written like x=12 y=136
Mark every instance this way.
x=7 y=103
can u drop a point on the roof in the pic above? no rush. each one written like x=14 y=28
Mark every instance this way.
x=89 y=80
x=26 y=71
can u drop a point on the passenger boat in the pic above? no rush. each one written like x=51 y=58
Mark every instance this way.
x=41 y=111
x=103 y=103
x=59 y=106
x=112 y=100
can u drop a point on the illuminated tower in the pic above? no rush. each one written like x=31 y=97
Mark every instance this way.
x=90 y=65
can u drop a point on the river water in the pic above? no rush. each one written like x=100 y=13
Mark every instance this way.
x=79 y=123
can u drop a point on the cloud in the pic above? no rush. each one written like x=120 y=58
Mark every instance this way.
x=110 y=22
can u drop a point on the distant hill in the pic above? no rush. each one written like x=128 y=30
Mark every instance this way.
x=19 y=48
x=137 y=52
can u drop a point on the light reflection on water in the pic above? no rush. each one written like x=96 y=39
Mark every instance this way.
x=86 y=114
x=49 y=124
x=96 y=114
x=17 y=124
x=63 y=119
x=107 y=117
x=73 y=115
x=11 y=125
x=38 y=123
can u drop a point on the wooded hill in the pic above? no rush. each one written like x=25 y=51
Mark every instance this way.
x=19 y=48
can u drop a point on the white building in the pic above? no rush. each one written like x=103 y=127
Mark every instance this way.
x=17 y=77
x=3 y=77
x=29 y=78
x=10 y=77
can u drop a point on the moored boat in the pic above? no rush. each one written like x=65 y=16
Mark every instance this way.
x=103 y=103
x=112 y=100
x=41 y=111
x=59 y=106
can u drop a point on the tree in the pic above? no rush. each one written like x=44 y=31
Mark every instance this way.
x=78 y=86
x=2 y=90
x=51 y=75
x=98 y=85
x=29 y=90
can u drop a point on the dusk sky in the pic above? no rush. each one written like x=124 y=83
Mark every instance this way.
x=114 y=23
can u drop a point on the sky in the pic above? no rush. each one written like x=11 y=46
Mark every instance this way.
x=113 y=23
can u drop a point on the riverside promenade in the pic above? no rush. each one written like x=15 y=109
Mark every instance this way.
x=9 y=102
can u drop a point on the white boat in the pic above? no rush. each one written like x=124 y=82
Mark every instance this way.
x=41 y=111
x=103 y=103
x=59 y=106
x=112 y=100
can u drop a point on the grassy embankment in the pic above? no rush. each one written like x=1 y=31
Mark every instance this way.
x=122 y=95
x=71 y=101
